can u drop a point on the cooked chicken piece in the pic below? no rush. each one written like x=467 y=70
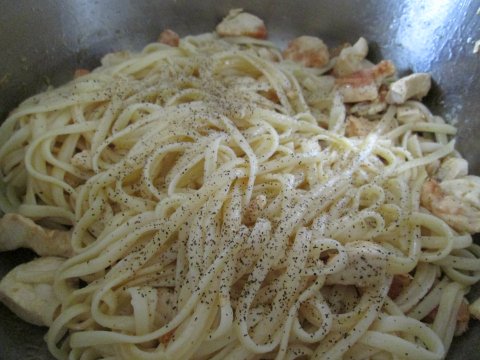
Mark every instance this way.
x=17 y=231
x=351 y=58
x=27 y=290
x=80 y=72
x=359 y=126
x=363 y=84
x=457 y=202
x=366 y=265
x=411 y=86
x=375 y=74
x=169 y=37
x=82 y=160
x=399 y=282
x=239 y=23
x=452 y=168
x=309 y=51
x=353 y=94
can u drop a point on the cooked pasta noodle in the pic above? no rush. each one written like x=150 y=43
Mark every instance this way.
x=218 y=209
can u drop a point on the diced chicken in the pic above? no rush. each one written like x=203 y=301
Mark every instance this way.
x=411 y=86
x=463 y=317
x=359 y=126
x=309 y=51
x=366 y=265
x=254 y=208
x=27 y=290
x=239 y=23
x=363 y=84
x=351 y=58
x=353 y=94
x=169 y=37
x=452 y=168
x=374 y=74
x=17 y=231
x=399 y=282
x=82 y=160
x=457 y=202
x=80 y=72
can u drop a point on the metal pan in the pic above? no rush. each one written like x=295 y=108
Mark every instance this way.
x=41 y=43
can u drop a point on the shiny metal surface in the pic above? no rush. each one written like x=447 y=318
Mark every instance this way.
x=41 y=43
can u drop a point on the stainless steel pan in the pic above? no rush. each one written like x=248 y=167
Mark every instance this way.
x=42 y=42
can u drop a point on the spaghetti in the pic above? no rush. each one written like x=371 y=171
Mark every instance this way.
x=223 y=201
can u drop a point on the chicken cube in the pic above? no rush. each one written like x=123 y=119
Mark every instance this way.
x=359 y=126
x=351 y=58
x=456 y=201
x=309 y=51
x=411 y=86
x=239 y=23
x=17 y=232
x=27 y=290
x=169 y=37
x=452 y=168
x=363 y=85
x=355 y=94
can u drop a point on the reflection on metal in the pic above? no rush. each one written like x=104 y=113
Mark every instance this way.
x=420 y=31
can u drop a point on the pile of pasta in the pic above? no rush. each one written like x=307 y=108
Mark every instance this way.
x=214 y=197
